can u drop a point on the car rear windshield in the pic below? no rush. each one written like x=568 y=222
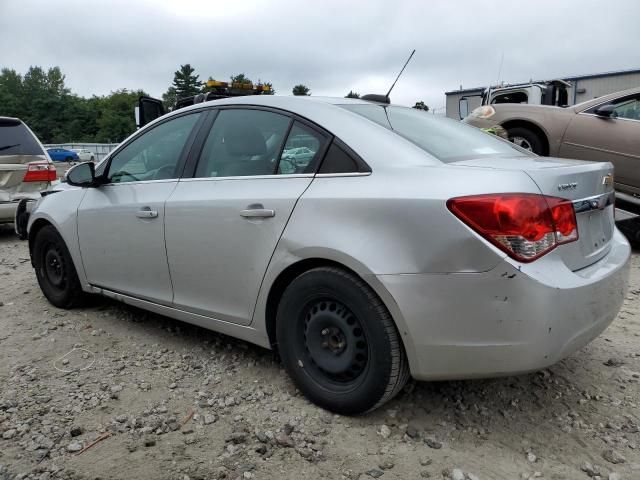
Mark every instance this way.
x=446 y=139
x=16 y=139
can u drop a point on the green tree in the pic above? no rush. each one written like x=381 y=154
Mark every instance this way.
x=267 y=84
x=185 y=82
x=301 y=90
x=169 y=98
x=352 y=94
x=11 y=93
x=116 y=120
x=421 y=106
x=44 y=101
x=41 y=99
x=240 y=78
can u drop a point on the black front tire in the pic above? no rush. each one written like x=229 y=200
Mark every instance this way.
x=55 y=271
x=531 y=140
x=339 y=343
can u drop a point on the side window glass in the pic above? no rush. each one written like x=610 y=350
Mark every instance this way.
x=243 y=142
x=301 y=151
x=512 y=97
x=155 y=154
x=629 y=108
x=338 y=161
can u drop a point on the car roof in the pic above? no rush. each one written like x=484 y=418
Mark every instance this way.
x=370 y=140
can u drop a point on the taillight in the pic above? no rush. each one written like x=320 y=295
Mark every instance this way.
x=524 y=225
x=40 y=172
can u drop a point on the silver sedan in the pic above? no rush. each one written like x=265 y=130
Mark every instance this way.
x=405 y=244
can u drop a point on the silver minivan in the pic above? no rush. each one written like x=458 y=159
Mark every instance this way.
x=25 y=167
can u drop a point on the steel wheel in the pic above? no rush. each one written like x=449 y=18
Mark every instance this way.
x=338 y=342
x=335 y=342
x=54 y=268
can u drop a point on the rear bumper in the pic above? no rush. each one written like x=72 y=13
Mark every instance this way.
x=508 y=320
x=8 y=209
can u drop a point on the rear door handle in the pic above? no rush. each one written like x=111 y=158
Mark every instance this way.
x=146 y=212
x=257 y=211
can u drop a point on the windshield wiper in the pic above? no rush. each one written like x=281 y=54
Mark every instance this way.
x=6 y=147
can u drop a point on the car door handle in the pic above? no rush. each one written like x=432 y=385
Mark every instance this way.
x=257 y=211
x=146 y=213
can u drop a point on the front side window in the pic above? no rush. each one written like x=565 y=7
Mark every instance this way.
x=243 y=142
x=155 y=154
x=628 y=108
x=301 y=151
x=446 y=139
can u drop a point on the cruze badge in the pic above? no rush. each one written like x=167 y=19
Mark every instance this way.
x=607 y=180
x=567 y=186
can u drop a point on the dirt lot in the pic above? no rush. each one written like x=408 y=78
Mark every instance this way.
x=174 y=401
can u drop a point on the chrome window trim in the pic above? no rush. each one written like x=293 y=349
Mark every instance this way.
x=139 y=182
x=293 y=175
x=248 y=177
x=344 y=174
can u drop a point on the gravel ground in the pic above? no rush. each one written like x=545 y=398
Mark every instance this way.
x=166 y=400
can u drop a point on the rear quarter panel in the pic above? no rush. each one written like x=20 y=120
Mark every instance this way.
x=393 y=221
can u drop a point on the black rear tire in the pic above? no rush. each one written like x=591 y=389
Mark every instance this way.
x=339 y=343
x=55 y=271
x=526 y=139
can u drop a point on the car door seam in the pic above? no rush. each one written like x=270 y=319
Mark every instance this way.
x=264 y=274
x=164 y=238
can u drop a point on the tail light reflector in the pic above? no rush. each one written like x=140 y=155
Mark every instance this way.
x=40 y=172
x=524 y=225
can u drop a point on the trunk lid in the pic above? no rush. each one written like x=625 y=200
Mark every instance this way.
x=589 y=185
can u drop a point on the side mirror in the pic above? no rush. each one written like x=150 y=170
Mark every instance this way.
x=82 y=175
x=605 y=110
x=148 y=110
x=463 y=107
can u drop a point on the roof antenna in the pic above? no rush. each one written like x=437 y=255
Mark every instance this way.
x=405 y=66
x=385 y=98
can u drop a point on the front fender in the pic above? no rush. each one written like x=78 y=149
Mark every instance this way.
x=60 y=209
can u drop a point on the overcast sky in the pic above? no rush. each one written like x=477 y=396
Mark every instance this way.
x=330 y=46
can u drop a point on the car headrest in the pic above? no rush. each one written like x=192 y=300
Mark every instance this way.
x=244 y=140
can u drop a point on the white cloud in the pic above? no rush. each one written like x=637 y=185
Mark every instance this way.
x=330 y=46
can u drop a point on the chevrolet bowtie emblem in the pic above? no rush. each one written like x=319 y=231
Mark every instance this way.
x=607 y=180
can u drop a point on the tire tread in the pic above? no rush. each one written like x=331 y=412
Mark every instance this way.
x=399 y=363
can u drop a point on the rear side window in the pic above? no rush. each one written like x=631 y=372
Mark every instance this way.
x=301 y=150
x=16 y=139
x=338 y=161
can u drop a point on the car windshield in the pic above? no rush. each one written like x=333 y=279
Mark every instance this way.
x=446 y=139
